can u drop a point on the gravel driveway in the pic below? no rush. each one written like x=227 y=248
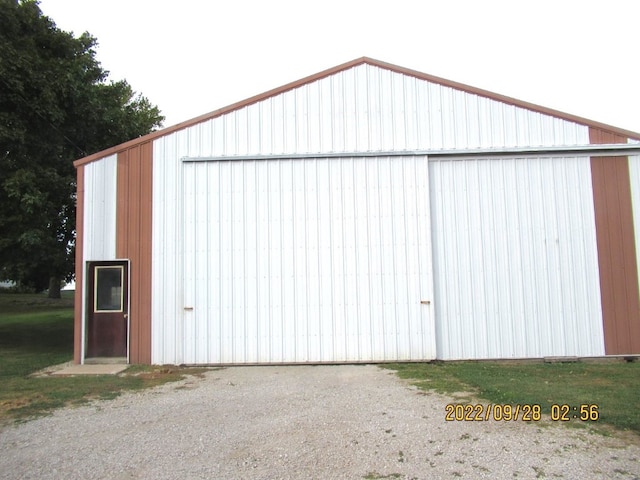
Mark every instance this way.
x=295 y=423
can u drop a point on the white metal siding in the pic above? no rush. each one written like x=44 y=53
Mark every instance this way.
x=100 y=200
x=515 y=258
x=316 y=260
x=367 y=108
x=166 y=253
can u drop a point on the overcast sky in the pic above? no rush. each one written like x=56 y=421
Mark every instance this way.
x=190 y=57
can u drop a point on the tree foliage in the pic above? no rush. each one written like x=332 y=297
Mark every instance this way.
x=56 y=105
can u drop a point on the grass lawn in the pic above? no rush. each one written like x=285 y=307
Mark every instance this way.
x=613 y=386
x=35 y=333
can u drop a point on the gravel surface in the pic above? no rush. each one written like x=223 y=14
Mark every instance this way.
x=296 y=423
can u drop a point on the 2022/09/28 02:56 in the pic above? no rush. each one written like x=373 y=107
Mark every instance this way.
x=466 y=412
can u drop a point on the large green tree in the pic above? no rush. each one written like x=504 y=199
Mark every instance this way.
x=56 y=105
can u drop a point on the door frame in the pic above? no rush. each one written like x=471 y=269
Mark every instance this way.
x=87 y=306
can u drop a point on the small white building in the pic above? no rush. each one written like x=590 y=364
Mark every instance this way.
x=367 y=213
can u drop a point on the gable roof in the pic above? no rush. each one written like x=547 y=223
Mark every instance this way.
x=345 y=66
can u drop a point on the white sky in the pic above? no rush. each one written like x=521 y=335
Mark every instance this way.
x=190 y=57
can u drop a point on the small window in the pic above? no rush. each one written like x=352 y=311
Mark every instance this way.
x=108 y=289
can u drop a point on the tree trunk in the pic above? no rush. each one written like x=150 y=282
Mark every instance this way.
x=55 y=284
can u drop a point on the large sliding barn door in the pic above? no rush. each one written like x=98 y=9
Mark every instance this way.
x=307 y=260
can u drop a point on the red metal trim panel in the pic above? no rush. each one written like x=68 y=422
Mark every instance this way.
x=616 y=249
x=133 y=241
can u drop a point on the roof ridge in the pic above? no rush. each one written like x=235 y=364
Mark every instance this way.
x=345 y=66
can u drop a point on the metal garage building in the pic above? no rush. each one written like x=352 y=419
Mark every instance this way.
x=366 y=213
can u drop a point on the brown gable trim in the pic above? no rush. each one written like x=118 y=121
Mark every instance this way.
x=345 y=66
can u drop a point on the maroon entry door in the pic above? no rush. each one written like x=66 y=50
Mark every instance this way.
x=107 y=309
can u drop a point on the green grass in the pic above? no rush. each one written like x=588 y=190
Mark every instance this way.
x=35 y=333
x=613 y=386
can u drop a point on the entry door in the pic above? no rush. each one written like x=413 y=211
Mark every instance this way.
x=107 y=309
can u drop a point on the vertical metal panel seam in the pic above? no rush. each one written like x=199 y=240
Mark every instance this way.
x=434 y=232
x=430 y=269
x=560 y=293
x=245 y=261
x=257 y=267
x=417 y=192
x=483 y=261
x=405 y=113
x=393 y=115
x=563 y=193
x=282 y=292
x=532 y=342
x=293 y=257
x=369 y=250
x=509 y=247
x=268 y=283
x=345 y=297
x=331 y=258
x=356 y=136
x=197 y=323
x=379 y=114
x=211 y=224
x=351 y=163
x=521 y=267
x=371 y=115
x=472 y=299
x=406 y=240
x=393 y=260
x=219 y=239
x=306 y=260
x=383 y=298
x=179 y=325
x=321 y=301
x=232 y=267
x=462 y=225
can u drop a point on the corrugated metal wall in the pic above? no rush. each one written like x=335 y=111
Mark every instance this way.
x=134 y=242
x=515 y=258
x=167 y=254
x=367 y=108
x=318 y=260
x=100 y=202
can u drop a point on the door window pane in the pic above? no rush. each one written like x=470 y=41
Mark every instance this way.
x=108 y=289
